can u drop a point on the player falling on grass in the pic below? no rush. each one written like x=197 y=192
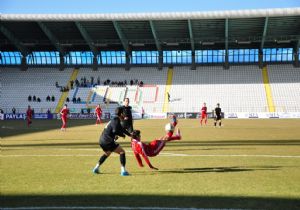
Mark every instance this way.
x=174 y=122
x=218 y=116
x=151 y=149
x=64 y=115
x=203 y=114
x=98 y=113
x=29 y=116
x=108 y=143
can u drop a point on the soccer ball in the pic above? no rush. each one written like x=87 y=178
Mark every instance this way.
x=169 y=127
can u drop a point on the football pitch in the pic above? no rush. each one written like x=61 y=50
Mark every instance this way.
x=245 y=164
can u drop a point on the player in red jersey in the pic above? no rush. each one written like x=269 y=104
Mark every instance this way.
x=98 y=113
x=64 y=113
x=174 y=122
x=151 y=149
x=203 y=114
x=29 y=116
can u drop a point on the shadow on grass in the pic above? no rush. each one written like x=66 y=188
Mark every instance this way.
x=134 y=201
x=220 y=169
x=19 y=127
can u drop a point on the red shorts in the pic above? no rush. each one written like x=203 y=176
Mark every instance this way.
x=170 y=133
x=154 y=147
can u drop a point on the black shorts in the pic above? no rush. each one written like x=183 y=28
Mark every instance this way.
x=111 y=146
x=218 y=117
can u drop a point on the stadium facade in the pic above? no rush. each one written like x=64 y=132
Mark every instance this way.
x=170 y=42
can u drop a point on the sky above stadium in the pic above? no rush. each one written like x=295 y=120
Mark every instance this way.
x=134 y=6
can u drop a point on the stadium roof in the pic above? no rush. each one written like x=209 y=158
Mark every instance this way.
x=150 y=31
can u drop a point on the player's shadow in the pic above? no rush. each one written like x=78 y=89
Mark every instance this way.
x=220 y=169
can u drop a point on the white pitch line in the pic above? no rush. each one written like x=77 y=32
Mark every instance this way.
x=105 y=207
x=162 y=154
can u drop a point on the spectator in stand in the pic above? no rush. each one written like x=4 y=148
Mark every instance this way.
x=78 y=100
x=74 y=100
x=68 y=100
x=72 y=84
x=38 y=99
x=131 y=82
x=29 y=98
x=48 y=98
x=53 y=98
x=141 y=84
x=56 y=84
x=34 y=98
x=13 y=110
x=92 y=80
x=77 y=82
x=1 y=111
x=98 y=81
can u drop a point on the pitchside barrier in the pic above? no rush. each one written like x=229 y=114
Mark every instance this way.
x=22 y=116
x=179 y=115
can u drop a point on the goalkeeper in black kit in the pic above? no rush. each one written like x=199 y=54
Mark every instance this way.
x=127 y=122
x=218 y=115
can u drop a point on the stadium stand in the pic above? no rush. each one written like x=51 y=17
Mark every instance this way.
x=284 y=80
x=239 y=89
x=18 y=85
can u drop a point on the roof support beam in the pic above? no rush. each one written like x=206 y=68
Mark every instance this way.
x=122 y=37
x=154 y=33
x=86 y=37
x=264 y=34
x=193 y=67
x=15 y=41
x=158 y=45
x=296 y=54
x=51 y=37
x=226 y=66
x=191 y=35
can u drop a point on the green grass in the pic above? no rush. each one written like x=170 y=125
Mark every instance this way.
x=245 y=164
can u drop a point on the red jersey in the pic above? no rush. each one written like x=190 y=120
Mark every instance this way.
x=29 y=113
x=204 y=110
x=98 y=111
x=64 y=112
x=146 y=150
